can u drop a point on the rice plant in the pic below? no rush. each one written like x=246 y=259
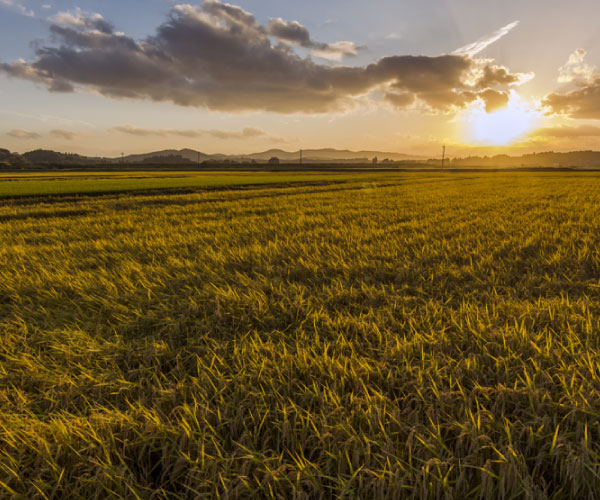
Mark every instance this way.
x=411 y=336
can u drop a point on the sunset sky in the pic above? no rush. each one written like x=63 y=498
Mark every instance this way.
x=483 y=77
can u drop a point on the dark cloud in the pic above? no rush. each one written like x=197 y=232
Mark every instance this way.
x=23 y=134
x=294 y=32
x=494 y=100
x=444 y=99
x=583 y=102
x=497 y=75
x=218 y=56
x=400 y=100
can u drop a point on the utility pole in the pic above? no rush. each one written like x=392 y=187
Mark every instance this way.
x=198 y=158
x=300 y=157
x=122 y=157
x=443 y=154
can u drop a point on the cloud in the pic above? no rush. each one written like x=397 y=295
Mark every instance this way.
x=439 y=97
x=400 y=100
x=567 y=132
x=494 y=100
x=487 y=75
x=68 y=135
x=140 y=131
x=246 y=133
x=337 y=50
x=484 y=42
x=294 y=33
x=48 y=118
x=23 y=134
x=584 y=102
x=82 y=19
x=13 y=4
x=217 y=56
x=576 y=69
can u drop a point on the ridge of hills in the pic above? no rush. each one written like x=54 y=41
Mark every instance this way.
x=41 y=157
x=308 y=155
x=182 y=156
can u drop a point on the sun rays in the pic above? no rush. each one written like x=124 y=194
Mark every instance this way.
x=502 y=127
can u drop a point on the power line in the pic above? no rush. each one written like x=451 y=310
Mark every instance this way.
x=443 y=154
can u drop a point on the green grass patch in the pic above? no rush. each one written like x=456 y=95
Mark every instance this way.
x=106 y=183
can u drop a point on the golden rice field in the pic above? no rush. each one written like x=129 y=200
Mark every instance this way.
x=380 y=336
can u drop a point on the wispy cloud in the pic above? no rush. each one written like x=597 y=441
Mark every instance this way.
x=20 y=8
x=566 y=131
x=484 y=42
x=68 y=135
x=23 y=134
x=68 y=122
x=245 y=133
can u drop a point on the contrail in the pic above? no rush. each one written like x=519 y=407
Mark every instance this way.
x=485 y=41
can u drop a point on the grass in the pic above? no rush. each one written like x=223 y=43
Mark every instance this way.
x=413 y=336
x=20 y=185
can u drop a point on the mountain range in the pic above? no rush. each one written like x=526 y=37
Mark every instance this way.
x=308 y=156
x=175 y=156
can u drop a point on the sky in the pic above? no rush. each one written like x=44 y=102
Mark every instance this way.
x=130 y=76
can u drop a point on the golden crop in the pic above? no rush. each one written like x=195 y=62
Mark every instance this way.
x=405 y=336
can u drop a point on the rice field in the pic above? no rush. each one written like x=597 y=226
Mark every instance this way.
x=95 y=183
x=401 y=335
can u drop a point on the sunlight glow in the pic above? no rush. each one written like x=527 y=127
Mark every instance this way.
x=500 y=127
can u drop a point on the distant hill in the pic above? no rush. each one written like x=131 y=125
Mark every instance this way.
x=330 y=154
x=42 y=157
x=8 y=159
x=185 y=154
x=308 y=156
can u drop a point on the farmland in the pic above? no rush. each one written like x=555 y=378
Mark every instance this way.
x=93 y=183
x=376 y=335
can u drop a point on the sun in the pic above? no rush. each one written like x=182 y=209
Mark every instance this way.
x=501 y=127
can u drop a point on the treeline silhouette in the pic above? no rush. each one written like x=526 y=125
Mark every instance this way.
x=546 y=159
